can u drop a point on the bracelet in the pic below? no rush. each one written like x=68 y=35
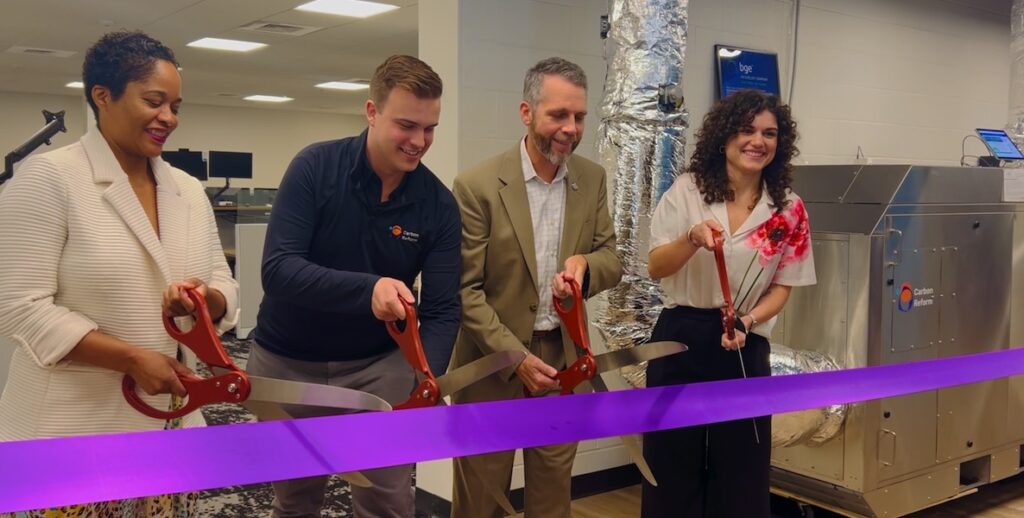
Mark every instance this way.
x=689 y=235
x=753 y=320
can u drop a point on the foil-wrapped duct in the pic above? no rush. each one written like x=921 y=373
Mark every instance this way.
x=641 y=143
x=814 y=426
x=1015 y=125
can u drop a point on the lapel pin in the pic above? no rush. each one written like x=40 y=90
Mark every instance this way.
x=574 y=186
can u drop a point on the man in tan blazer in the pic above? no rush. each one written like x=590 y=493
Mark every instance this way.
x=533 y=218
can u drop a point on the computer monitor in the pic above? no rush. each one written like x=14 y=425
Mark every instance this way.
x=744 y=69
x=1000 y=144
x=189 y=161
x=230 y=164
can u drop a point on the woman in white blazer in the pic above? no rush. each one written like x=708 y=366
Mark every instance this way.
x=97 y=240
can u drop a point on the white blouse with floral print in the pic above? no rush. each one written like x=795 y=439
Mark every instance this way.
x=771 y=247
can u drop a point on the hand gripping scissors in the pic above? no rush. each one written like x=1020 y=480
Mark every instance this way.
x=728 y=311
x=230 y=384
x=587 y=366
x=431 y=389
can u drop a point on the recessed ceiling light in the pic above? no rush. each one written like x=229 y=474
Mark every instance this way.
x=222 y=44
x=343 y=85
x=75 y=84
x=268 y=98
x=354 y=8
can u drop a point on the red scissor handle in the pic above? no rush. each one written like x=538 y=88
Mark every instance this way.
x=230 y=387
x=427 y=393
x=585 y=367
x=572 y=317
x=728 y=311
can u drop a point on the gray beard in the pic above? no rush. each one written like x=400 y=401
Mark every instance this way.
x=556 y=158
x=544 y=146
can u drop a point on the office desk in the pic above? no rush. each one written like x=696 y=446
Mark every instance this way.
x=229 y=216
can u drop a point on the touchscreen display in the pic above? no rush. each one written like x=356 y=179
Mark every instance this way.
x=999 y=144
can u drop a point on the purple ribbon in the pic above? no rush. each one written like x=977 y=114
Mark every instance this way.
x=54 y=472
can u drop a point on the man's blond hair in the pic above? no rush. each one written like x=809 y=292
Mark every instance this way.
x=404 y=72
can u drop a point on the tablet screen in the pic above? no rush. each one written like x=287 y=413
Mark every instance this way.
x=999 y=144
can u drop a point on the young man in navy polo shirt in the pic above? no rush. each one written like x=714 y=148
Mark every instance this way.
x=354 y=222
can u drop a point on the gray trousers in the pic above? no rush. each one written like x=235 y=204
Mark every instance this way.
x=387 y=376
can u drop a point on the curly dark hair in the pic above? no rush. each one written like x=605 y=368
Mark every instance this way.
x=725 y=120
x=119 y=58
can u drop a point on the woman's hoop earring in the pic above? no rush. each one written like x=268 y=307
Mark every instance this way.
x=721 y=150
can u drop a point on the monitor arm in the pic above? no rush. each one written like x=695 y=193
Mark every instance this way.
x=54 y=123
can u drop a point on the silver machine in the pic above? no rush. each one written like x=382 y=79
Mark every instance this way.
x=913 y=263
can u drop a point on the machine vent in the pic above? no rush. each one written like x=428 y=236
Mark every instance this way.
x=37 y=51
x=284 y=29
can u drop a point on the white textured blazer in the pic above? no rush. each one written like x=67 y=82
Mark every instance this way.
x=78 y=253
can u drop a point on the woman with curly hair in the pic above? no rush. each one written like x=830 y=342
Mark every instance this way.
x=738 y=184
x=99 y=240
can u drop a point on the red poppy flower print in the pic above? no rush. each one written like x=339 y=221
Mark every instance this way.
x=770 y=238
x=799 y=239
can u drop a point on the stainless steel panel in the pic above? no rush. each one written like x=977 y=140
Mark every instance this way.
x=823 y=183
x=876 y=184
x=821 y=493
x=816 y=315
x=1015 y=408
x=963 y=185
x=1005 y=463
x=849 y=219
x=1017 y=283
x=909 y=421
x=916 y=493
x=971 y=418
x=915 y=299
x=1015 y=417
x=950 y=311
x=976 y=269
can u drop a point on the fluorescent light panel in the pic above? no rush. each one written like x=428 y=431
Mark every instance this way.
x=222 y=44
x=268 y=98
x=353 y=8
x=75 y=84
x=343 y=85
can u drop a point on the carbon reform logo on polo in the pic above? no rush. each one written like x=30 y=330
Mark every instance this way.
x=404 y=235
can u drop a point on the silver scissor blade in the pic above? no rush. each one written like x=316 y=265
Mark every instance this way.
x=630 y=442
x=310 y=394
x=618 y=359
x=477 y=370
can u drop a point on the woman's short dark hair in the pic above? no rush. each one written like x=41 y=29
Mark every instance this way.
x=119 y=58
x=725 y=120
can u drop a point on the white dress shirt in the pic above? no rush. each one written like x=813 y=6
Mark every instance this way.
x=547 y=212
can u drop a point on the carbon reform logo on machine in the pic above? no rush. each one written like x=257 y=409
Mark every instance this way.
x=910 y=297
x=906 y=300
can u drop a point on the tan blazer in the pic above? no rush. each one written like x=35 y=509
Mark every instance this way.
x=499 y=265
x=78 y=253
